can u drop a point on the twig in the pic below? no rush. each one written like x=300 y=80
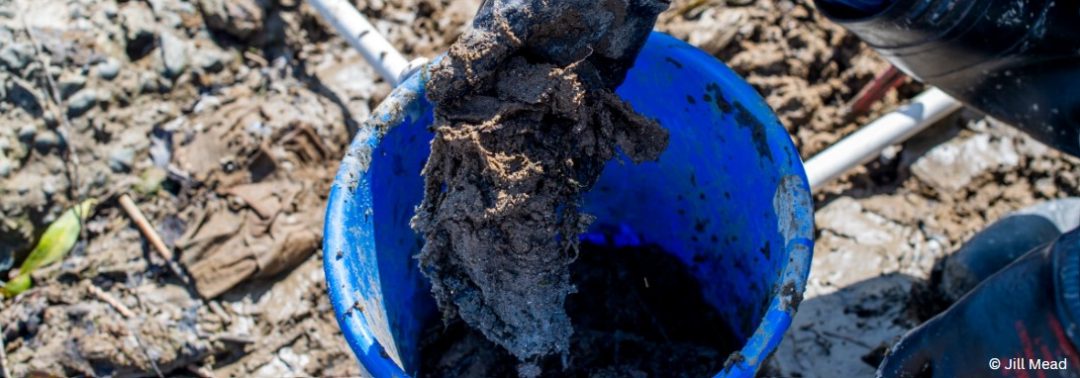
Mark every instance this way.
x=874 y=91
x=112 y=301
x=256 y=58
x=151 y=236
x=144 y=226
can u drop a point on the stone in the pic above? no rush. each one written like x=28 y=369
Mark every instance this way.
x=6 y=37
x=104 y=95
x=140 y=29
x=16 y=55
x=81 y=102
x=121 y=159
x=239 y=18
x=148 y=83
x=953 y=165
x=69 y=83
x=209 y=59
x=5 y=166
x=46 y=141
x=22 y=96
x=48 y=188
x=109 y=68
x=26 y=133
x=109 y=9
x=174 y=55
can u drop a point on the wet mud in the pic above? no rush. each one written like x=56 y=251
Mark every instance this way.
x=638 y=313
x=525 y=120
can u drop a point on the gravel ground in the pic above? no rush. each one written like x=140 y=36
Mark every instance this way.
x=224 y=120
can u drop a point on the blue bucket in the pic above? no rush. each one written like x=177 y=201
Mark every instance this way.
x=728 y=197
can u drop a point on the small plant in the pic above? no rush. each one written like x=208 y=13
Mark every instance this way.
x=55 y=243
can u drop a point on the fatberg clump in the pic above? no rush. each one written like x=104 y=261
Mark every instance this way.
x=525 y=120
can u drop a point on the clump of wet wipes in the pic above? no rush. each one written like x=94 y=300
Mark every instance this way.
x=525 y=120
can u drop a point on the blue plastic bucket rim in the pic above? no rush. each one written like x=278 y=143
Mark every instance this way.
x=404 y=103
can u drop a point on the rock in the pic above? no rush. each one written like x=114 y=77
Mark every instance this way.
x=104 y=95
x=50 y=119
x=239 y=18
x=109 y=9
x=953 y=165
x=109 y=69
x=49 y=188
x=26 y=133
x=174 y=54
x=46 y=141
x=24 y=97
x=121 y=159
x=5 y=167
x=16 y=55
x=148 y=82
x=5 y=34
x=81 y=102
x=209 y=58
x=69 y=83
x=140 y=28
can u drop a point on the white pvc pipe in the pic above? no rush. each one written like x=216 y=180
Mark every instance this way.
x=854 y=150
x=868 y=142
x=356 y=29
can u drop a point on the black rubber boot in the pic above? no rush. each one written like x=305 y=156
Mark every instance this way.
x=1016 y=60
x=1020 y=321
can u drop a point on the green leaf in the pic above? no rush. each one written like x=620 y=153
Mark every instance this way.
x=16 y=286
x=55 y=243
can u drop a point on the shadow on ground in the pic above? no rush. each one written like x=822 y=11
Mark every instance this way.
x=846 y=333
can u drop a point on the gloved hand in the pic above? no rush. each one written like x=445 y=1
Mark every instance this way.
x=1024 y=314
x=606 y=33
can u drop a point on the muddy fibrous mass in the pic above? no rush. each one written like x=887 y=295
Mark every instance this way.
x=525 y=120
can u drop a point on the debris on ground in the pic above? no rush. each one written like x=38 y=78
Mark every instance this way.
x=525 y=120
x=206 y=131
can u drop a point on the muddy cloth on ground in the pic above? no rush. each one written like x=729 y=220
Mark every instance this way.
x=266 y=155
x=525 y=119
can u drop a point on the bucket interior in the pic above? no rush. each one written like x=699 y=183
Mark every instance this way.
x=728 y=198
